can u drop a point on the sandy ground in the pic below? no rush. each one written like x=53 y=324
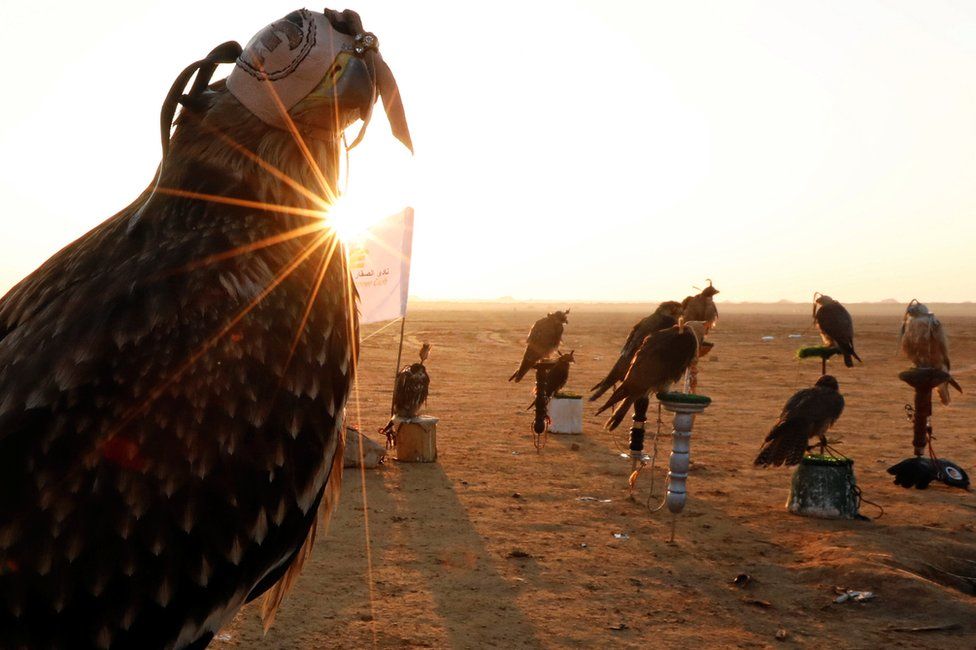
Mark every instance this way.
x=428 y=555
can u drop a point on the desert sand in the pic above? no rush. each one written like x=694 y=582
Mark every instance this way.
x=491 y=546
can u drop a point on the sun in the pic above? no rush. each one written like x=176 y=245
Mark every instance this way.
x=349 y=222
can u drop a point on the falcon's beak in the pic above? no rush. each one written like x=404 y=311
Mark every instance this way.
x=347 y=93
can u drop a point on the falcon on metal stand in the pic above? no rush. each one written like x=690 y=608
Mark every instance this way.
x=923 y=340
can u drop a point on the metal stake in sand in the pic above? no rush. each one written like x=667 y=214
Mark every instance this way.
x=685 y=407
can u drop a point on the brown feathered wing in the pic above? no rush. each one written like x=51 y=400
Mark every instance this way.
x=808 y=413
x=543 y=340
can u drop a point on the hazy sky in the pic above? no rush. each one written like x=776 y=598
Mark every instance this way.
x=565 y=150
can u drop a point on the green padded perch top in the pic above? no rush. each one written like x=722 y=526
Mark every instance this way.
x=684 y=398
x=825 y=461
x=819 y=351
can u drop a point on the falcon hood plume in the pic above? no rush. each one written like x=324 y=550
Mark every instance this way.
x=173 y=382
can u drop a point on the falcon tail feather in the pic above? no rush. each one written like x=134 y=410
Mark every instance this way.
x=785 y=445
x=619 y=413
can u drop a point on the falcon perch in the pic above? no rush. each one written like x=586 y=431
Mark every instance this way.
x=173 y=382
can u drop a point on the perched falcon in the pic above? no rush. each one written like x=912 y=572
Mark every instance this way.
x=554 y=379
x=701 y=307
x=172 y=384
x=412 y=386
x=923 y=340
x=836 y=327
x=665 y=316
x=808 y=414
x=544 y=339
x=660 y=361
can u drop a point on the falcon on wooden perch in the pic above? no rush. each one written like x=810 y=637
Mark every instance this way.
x=665 y=316
x=661 y=360
x=923 y=340
x=701 y=307
x=544 y=339
x=409 y=393
x=173 y=382
x=808 y=414
x=412 y=386
x=836 y=326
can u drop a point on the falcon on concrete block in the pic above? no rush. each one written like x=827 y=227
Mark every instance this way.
x=665 y=316
x=172 y=384
x=808 y=414
x=544 y=339
x=661 y=360
x=923 y=340
x=836 y=327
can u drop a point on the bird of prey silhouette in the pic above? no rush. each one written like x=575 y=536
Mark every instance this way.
x=665 y=316
x=808 y=414
x=172 y=384
x=554 y=379
x=836 y=326
x=544 y=339
x=923 y=340
x=701 y=307
x=412 y=387
x=661 y=360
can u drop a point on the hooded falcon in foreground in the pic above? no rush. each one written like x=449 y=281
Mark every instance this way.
x=701 y=307
x=836 y=327
x=544 y=339
x=660 y=361
x=808 y=414
x=923 y=340
x=665 y=316
x=172 y=384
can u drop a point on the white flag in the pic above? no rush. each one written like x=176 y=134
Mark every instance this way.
x=380 y=266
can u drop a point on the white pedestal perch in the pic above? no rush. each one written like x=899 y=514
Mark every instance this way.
x=566 y=415
x=678 y=464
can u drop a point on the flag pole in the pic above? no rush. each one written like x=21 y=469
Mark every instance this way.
x=396 y=370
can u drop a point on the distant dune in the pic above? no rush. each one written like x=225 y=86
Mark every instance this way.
x=887 y=307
